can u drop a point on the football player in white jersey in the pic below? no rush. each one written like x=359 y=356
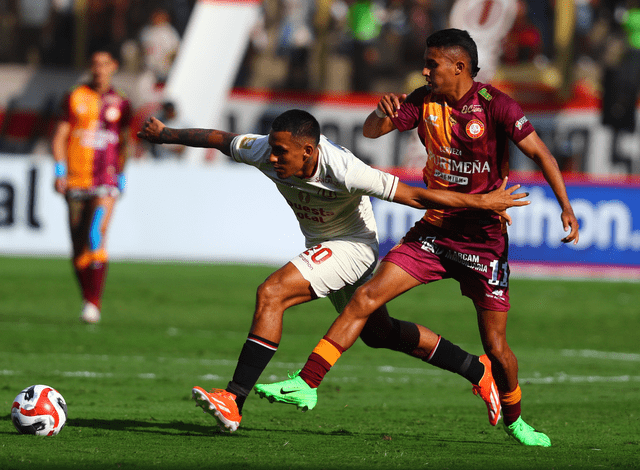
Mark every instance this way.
x=328 y=189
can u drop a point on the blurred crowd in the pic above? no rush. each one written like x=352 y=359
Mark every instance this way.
x=378 y=45
x=340 y=45
x=63 y=33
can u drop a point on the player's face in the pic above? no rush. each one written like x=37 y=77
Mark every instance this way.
x=288 y=155
x=440 y=69
x=103 y=66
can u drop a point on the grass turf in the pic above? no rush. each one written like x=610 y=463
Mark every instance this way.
x=168 y=327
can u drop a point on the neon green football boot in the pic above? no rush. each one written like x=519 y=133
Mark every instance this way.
x=526 y=435
x=293 y=391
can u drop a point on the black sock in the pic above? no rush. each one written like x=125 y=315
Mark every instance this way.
x=406 y=336
x=450 y=357
x=396 y=335
x=254 y=357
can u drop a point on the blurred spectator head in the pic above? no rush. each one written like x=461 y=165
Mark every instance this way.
x=160 y=16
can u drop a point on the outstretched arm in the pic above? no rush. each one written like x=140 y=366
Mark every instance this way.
x=533 y=147
x=497 y=201
x=156 y=132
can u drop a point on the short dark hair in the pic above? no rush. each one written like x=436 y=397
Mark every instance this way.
x=300 y=123
x=456 y=38
x=110 y=49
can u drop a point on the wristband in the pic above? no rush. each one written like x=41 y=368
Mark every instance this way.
x=60 y=169
x=380 y=114
x=122 y=181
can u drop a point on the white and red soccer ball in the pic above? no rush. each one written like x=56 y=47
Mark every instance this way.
x=39 y=410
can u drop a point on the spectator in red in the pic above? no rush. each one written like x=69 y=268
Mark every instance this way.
x=524 y=42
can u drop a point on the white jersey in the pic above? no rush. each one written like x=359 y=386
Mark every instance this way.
x=332 y=204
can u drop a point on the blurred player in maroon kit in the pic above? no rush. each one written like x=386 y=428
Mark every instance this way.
x=465 y=127
x=89 y=150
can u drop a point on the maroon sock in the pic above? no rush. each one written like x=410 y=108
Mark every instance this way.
x=511 y=413
x=97 y=276
x=317 y=367
x=314 y=370
x=83 y=279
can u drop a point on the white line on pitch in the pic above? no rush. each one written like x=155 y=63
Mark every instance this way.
x=585 y=353
x=557 y=379
x=588 y=353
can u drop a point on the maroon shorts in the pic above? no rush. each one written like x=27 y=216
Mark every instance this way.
x=477 y=261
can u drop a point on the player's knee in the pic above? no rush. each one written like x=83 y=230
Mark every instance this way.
x=268 y=293
x=82 y=260
x=364 y=301
x=497 y=349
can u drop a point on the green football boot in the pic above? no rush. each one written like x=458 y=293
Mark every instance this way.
x=526 y=435
x=293 y=391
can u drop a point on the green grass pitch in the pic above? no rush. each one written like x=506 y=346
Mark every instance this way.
x=169 y=326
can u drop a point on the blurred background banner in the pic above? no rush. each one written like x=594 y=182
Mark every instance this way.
x=609 y=217
x=198 y=214
x=235 y=214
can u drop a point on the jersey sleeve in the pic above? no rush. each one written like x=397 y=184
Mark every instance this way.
x=411 y=110
x=360 y=178
x=508 y=113
x=249 y=148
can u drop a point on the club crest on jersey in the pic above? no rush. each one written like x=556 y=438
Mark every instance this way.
x=475 y=128
x=112 y=114
x=304 y=197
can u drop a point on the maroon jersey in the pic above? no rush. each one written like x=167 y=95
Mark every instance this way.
x=467 y=144
x=95 y=154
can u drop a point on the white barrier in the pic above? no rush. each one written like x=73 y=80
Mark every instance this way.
x=169 y=211
x=232 y=213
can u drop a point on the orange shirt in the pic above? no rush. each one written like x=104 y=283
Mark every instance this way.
x=95 y=154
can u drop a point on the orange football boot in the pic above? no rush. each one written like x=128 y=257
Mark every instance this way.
x=488 y=391
x=220 y=404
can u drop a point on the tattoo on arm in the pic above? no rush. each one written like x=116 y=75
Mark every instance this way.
x=208 y=138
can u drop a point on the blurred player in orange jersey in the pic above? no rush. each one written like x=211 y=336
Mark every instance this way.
x=89 y=150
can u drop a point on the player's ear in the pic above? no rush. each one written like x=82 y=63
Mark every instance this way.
x=308 y=151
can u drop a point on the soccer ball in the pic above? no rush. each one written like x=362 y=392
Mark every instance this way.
x=39 y=410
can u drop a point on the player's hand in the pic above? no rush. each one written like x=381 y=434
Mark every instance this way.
x=390 y=103
x=151 y=130
x=569 y=221
x=499 y=200
x=60 y=185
